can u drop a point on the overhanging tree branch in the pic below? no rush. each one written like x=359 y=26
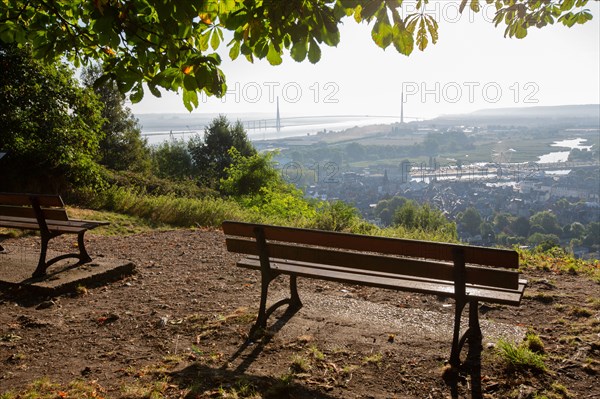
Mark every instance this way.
x=172 y=43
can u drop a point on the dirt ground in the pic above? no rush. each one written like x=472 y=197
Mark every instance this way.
x=178 y=328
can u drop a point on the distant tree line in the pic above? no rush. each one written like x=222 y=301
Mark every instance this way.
x=542 y=229
x=545 y=229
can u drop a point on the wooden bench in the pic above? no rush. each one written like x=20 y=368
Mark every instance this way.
x=46 y=214
x=467 y=274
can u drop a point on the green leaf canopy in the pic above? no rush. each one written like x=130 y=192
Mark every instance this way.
x=173 y=44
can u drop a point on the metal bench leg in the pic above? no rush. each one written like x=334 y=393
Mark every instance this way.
x=295 y=302
x=41 y=267
x=472 y=364
x=84 y=257
x=456 y=345
x=267 y=275
x=261 y=320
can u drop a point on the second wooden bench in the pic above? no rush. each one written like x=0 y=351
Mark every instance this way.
x=45 y=213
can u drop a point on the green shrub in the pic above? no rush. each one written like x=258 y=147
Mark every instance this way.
x=336 y=216
x=154 y=185
x=286 y=207
x=446 y=234
x=248 y=174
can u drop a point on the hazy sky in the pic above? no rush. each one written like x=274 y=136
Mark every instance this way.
x=472 y=67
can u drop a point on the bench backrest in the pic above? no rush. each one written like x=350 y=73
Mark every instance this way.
x=24 y=206
x=420 y=259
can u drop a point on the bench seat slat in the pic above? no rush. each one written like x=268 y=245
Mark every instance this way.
x=255 y=260
x=379 y=263
x=432 y=250
x=89 y=224
x=424 y=285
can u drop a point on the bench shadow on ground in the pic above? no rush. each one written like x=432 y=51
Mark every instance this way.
x=203 y=379
x=64 y=277
x=234 y=372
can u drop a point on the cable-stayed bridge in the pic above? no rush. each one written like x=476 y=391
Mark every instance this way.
x=258 y=124
x=185 y=127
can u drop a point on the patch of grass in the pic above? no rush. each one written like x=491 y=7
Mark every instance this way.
x=560 y=307
x=15 y=233
x=150 y=370
x=543 y=297
x=559 y=262
x=131 y=211
x=561 y=390
x=534 y=342
x=316 y=353
x=338 y=350
x=17 y=357
x=44 y=388
x=10 y=337
x=241 y=389
x=569 y=339
x=375 y=359
x=594 y=303
x=245 y=388
x=81 y=290
x=176 y=211
x=150 y=390
x=208 y=327
x=556 y=391
x=281 y=387
x=120 y=224
x=242 y=316
x=349 y=369
x=212 y=357
x=579 y=311
x=300 y=364
x=520 y=357
x=172 y=359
